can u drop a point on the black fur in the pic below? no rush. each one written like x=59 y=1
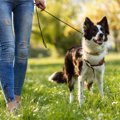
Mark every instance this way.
x=59 y=77
x=90 y=29
x=105 y=27
x=72 y=67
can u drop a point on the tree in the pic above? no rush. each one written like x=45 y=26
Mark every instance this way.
x=55 y=32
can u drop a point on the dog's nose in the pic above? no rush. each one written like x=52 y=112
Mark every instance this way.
x=101 y=35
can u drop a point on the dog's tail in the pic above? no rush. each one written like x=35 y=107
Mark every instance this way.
x=58 y=77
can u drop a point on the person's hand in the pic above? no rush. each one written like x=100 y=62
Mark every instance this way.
x=40 y=4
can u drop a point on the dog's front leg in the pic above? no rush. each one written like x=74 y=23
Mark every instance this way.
x=99 y=79
x=100 y=87
x=80 y=90
x=71 y=88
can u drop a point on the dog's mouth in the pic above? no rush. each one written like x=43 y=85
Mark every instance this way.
x=99 y=41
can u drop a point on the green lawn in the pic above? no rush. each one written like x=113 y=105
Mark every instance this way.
x=43 y=100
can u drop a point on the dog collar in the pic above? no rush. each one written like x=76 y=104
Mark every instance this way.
x=92 y=66
x=99 y=64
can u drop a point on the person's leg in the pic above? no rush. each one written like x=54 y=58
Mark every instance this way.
x=7 y=48
x=23 y=14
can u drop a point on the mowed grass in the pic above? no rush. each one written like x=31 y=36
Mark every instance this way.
x=43 y=100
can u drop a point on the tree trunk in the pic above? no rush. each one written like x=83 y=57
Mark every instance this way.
x=117 y=41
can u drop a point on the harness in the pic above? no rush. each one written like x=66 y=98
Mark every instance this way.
x=95 y=65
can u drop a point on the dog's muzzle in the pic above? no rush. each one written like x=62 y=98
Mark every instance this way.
x=99 y=40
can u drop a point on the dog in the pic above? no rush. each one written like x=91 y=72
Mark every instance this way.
x=86 y=63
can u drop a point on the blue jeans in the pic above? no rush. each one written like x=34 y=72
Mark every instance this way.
x=15 y=30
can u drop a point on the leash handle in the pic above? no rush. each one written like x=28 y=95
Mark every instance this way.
x=40 y=29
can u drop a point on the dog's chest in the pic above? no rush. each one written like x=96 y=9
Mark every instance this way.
x=94 y=59
x=89 y=73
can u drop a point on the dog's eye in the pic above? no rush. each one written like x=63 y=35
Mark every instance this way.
x=101 y=29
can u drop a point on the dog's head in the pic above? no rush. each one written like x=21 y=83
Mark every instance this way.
x=96 y=34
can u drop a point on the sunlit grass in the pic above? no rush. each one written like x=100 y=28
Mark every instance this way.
x=43 y=100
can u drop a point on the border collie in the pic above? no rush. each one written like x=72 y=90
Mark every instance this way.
x=86 y=63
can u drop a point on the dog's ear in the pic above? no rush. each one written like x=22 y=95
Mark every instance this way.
x=104 y=23
x=87 y=23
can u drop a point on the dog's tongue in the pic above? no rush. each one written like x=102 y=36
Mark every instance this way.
x=99 y=41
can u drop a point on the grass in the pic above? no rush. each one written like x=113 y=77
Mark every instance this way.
x=43 y=100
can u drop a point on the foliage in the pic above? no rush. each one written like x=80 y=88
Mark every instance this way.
x=62 y=37
x=56 y=33
x=43 y=100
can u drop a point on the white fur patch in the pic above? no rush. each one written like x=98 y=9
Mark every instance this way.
x=50 y=78
x=71 y=97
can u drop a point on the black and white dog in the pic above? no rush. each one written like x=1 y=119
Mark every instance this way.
x=86 y=62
